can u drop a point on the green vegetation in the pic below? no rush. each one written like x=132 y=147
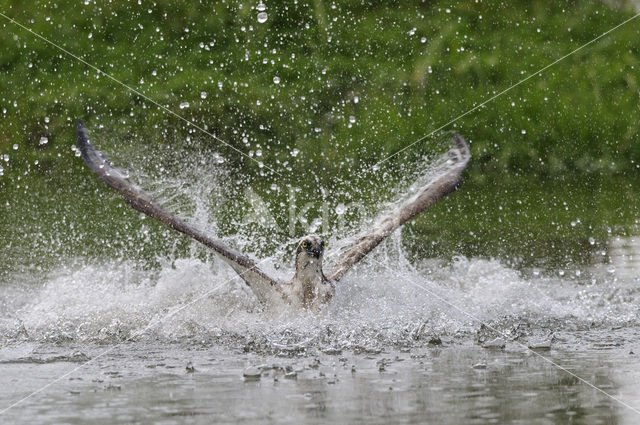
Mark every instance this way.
x=356 y=83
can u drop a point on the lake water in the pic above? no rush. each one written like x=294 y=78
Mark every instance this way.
x=403 y=343
x=108 y=318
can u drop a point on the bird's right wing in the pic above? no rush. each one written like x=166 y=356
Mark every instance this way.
x=266 y=288
x=447 y=178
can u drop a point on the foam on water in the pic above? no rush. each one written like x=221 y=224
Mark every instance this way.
x=385 y=302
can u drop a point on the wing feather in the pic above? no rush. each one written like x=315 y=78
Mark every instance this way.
x=265 y=287
x=437 y=188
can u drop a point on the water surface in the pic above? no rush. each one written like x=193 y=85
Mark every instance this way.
x=385 y=351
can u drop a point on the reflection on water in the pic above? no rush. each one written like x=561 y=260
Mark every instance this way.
x=449 y=385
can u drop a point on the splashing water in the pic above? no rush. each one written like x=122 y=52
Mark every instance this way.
x=388 y=301
x=385 y=303
x=394 y=324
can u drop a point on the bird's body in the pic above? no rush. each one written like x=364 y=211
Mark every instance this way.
x=309 y=288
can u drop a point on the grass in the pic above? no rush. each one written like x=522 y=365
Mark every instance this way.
x=566 y=135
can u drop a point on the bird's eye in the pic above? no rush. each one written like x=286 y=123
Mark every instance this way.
x=305 y=244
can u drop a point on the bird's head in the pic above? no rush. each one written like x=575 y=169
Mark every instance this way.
x=311 y=247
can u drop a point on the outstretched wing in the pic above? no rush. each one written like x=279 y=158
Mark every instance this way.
x=265 y=287
x=445 y=181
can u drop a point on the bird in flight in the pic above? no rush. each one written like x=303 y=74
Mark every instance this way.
x=309 y=288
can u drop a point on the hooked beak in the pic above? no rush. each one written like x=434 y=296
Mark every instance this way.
x=315 y=252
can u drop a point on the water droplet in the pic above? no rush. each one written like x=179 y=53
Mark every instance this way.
x=46 y=119
x=203 y=95
x=315 y=225
x=261 y=7
x=573 y=224
x=356 y=99
x=219 y=159
x=524 y=131
x=43 y=141
x=15 y=147
x=276 y=80
x=341 y=209
x=90 y=35
x=262 y=17
x=352 y=119
x=1 y=170
x=295 y=152
x=184 y=105
x=592 y=241
x=423 y=40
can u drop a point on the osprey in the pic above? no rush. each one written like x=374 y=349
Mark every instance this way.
x=309 y=288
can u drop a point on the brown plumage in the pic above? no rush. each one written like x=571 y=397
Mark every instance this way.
x=444 y=183
x=309 y=288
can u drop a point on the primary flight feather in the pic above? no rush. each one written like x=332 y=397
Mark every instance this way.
x=309 y=288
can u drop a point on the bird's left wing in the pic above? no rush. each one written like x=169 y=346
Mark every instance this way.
x=446 y=180
x=265 y=287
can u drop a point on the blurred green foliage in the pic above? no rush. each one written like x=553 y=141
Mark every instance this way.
x=313 y=98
